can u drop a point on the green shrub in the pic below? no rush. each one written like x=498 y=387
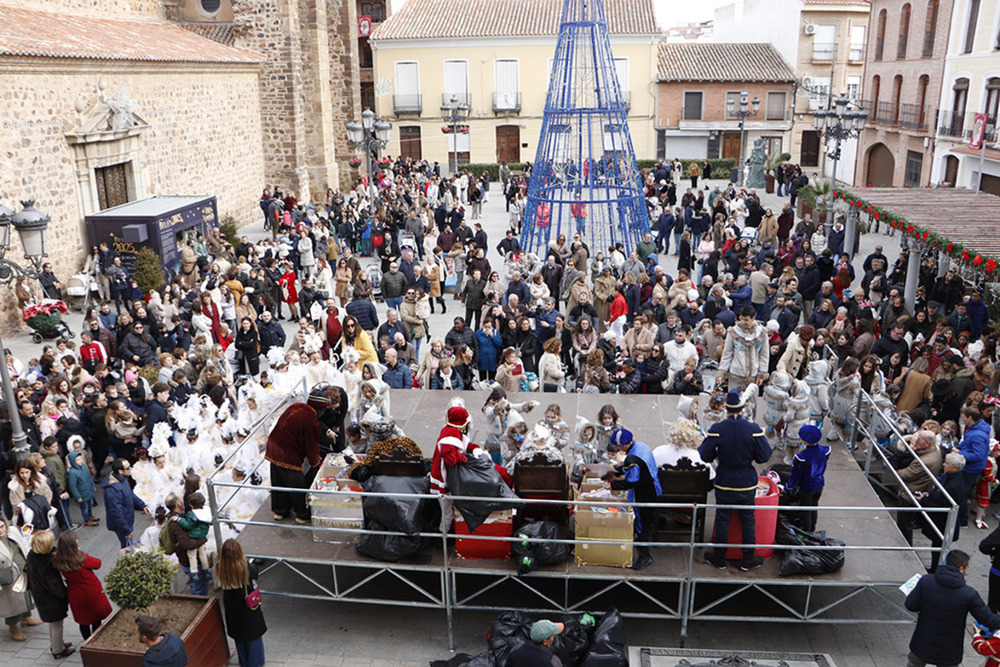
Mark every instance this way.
x=139 y=579
x=492 y=167
x=720 y=166
x=148 y=270
x=227 y=227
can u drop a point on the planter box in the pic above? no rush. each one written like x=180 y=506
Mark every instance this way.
x=204 y=640
x=769 y=184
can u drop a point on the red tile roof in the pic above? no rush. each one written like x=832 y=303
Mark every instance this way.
x=222 y=33
x=43 y=34
x=443 y=19
x=708 y=61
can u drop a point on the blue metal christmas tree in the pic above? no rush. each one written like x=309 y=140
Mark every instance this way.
x=585 y=178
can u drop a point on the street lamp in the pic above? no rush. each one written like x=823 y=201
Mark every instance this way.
x=839 y=124
x=742 y=113
x=454 y=113
x=369 y=136
x=31 y=225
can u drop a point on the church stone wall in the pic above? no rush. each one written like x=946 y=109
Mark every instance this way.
x=203 y=138
x=345 y=77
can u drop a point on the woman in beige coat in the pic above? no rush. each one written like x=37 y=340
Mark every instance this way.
x=510 y=370
x=768 y=228
x=640 y=337
x=15 y=607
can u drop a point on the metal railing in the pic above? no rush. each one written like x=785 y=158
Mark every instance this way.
x=954 y=124
x=408 y=103
x=463 y=98
x=506 y=102
x=856 y=52
x=823 y=51
x=682 y=601
x=914 y=116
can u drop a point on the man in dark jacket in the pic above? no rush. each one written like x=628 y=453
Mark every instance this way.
x=156 y=410
x=473 y=294
x=104 y=337
x=137 y=346
x=364 y=312
x=120 y=502
x=271 y=333
x=892 y=341
x=393 y=286
x=162 y=648
x=942 y=601
x=461 y=335
x=809 y=285
x=183 y=544
x=519 y=287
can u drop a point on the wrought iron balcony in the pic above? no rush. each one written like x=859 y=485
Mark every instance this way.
x=463 y=98
x=407 y=103
x=823 y=51
x=506 y=102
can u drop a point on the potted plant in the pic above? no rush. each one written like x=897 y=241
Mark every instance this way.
x=771 y=164
x=139 y=583
x=815 y=198
x=148 y=271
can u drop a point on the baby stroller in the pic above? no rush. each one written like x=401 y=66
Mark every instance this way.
x=79 y=289
x=749 y=234
x=46 y=320
x=408 y=241
x=375 y=277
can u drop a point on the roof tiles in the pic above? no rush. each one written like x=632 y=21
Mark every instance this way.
x=447 y=19
x=721 y=62
x=43 y=34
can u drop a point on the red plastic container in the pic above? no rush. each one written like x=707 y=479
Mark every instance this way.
x=501 y=524
x=766 y=522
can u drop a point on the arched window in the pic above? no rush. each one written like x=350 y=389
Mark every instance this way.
x=876 y=87
x=904 y=32
x=970 y=27
x=922 y=85
x=880 y=35
x=897 y=91
x=930 y=27
x=992 y=100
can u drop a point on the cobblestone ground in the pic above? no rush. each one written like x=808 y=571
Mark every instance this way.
x=302 y=633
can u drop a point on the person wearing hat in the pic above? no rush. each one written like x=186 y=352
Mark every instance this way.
x=808 y=468
x=293 y=442
x=453 y=447
x=537 y=652
x=736 y=444
x=636 y=466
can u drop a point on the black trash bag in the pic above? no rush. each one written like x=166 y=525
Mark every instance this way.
x=609 y=646
x=531 y=555
x=389 y=548
x=465 y=660
x=572 y=643
x=800 y=561
x=407 y=515
x=787 y=532
x=478 y=478
x=510 y=629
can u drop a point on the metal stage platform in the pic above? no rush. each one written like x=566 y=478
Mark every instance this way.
x=678 y=585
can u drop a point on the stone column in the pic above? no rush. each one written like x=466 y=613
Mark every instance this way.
x=850 y=229
x=912 y=276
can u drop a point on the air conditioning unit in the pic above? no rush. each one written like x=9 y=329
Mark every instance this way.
x=807 y=82
x=809 y=29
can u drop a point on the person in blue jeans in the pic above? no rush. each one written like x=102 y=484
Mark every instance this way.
x=120 y=503
x=183 y=545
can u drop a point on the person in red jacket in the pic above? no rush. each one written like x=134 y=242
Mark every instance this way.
x=92 y=352
x=294 y=440
x=333 y=328
x=87 y=600
x=288 y=292
x=985 y=642
x=618 y=315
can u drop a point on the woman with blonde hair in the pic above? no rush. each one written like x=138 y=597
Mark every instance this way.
x=241 y=603
x=48 y=591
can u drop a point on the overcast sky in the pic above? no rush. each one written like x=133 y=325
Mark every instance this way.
x=668 y=12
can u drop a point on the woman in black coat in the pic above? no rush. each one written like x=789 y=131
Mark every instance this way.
x=248 y=347
x=244 y=619
x=48 y=591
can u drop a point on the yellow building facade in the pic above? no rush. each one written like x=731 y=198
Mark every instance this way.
x=495 y=58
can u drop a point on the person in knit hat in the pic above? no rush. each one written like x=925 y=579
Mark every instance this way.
x=636 y=470
x=294 y=440
x=453 y=447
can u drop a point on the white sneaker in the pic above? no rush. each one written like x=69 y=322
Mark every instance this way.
x=833 y=435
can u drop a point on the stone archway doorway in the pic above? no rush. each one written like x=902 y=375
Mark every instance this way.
x=881 y=166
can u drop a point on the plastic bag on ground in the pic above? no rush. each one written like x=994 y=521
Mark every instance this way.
x=531 y=555
x=479 y=478
x=509 y=630
x=407 y=515
x=800 y=561
x=609 y=646
x=389 y=548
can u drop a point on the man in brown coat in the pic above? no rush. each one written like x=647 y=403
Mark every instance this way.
x=916 y=478
x=916 y=388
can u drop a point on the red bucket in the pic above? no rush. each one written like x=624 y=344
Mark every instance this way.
x=766 y=522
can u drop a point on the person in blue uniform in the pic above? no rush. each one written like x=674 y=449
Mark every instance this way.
x=808 y=469
x=736 y=444
x=637 y=467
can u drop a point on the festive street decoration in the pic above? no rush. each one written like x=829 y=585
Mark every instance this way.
x=956 y=251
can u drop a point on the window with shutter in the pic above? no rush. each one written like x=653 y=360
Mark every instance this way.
x=506 y=85
x=456 y=81
x=775 y=109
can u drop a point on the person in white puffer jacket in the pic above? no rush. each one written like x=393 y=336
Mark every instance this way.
x=679 y=350
x=745 y=352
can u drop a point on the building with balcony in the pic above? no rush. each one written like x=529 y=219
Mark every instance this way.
x=970 y=85
x=695 y=83
x=904 y=69
x=371 y=14
x=824 y=42
x=495 y=57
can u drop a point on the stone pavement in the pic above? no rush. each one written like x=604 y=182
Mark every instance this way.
x=303 y=633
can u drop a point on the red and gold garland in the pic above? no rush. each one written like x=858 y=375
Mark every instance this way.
x=941 y=243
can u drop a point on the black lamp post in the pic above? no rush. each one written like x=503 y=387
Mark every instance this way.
x=747 y=109
x=453 y=114
x=31 y=225
x=369 y=136
x=838 y=124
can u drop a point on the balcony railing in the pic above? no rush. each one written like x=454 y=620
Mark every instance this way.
x=823 y=51
x=506 y=102
x=959 y=125
x=463 y=98
x=627 y=98
x=857 y=52
x=407 y=103
x=890 y=114
x=914 y=116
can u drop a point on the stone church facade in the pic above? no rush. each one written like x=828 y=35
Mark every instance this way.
x=109 y=101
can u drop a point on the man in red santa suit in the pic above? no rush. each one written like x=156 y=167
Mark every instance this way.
x=293 y=450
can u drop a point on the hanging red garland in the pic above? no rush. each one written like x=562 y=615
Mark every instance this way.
x=948 y=247
x=978 y=260
x=875 y=215
x=965 y=255
x=925 y=235
x=909 y=229
x=991 y=265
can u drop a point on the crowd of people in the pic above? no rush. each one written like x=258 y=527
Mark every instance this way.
x=163 y=386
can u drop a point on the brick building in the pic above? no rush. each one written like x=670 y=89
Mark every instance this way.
x=694 y=82
x=904 y=67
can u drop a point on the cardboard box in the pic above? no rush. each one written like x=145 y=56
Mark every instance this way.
x=335 y=510
x=498 y=524
x=607 y=527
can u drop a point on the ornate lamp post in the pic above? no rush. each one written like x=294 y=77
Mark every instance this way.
x=839 y=124
x=454 y=114
x=31 y=225
x=369 y=136
x=747 y=109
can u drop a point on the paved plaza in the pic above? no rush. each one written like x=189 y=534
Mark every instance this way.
x=307 y=632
